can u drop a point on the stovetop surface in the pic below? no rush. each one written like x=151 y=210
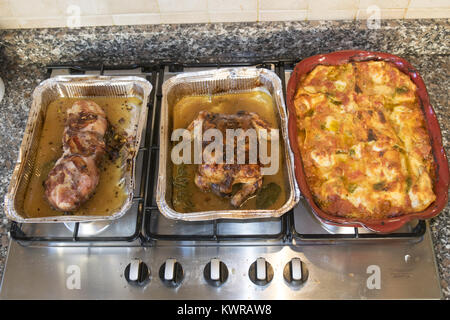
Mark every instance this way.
x=89 y=260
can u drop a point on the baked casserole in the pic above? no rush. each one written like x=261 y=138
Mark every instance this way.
x=363 y=140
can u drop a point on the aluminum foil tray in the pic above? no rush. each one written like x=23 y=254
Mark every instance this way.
x=229 y=80
x=74 y=87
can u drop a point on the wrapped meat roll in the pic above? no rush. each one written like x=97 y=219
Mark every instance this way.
x=75 y=175
x=71 y=182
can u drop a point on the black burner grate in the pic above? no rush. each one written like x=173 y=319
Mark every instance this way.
x=147 y=212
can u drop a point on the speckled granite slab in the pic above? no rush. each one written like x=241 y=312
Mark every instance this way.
x=24 y=54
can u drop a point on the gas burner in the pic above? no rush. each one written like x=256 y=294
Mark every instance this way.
x=88 y=228
x=333 y=229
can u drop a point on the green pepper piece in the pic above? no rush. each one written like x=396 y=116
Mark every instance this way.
x=402 y=89
x=379 y=186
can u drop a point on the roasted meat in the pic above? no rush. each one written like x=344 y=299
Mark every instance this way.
x=71 y=182
x=220 y=177
x=86 y=116
x=85 y=143
x=241 y=120
x=75 y=175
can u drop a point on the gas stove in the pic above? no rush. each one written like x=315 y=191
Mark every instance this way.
x=144 y=255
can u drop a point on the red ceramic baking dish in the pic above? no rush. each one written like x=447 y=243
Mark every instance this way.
x=441 y=182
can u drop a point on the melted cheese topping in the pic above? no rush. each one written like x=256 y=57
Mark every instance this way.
x=364 y=143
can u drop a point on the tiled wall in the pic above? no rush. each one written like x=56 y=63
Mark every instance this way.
x=73 y=13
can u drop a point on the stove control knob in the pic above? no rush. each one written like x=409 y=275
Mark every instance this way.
x=295 y=272
x=137 y=273
x=260 y=272
x=215 y=272
x=171 y=273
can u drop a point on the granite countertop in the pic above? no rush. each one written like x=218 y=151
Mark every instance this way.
x=24 y=54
